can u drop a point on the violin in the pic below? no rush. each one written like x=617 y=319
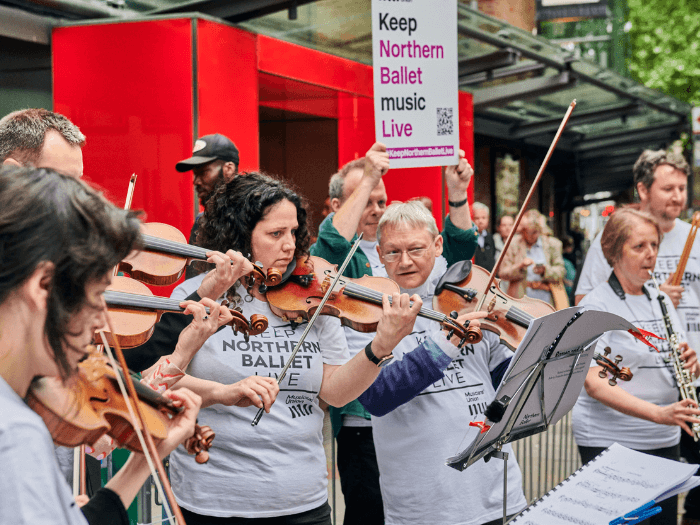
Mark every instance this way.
x=164 y=256
x=91 y=405
x=612 y=367
x=507 y=316
x=356 y=302
x=461 y=289
x=134 y=311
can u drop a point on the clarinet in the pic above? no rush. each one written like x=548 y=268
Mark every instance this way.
x=684 y=378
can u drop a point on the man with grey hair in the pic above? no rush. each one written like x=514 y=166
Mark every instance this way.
x=423 y=402
x=358 y=200
x=485 y=255
x=43 y=139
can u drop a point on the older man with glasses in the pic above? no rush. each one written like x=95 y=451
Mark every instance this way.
x=358 y=200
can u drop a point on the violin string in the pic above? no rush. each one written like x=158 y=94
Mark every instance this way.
x=115 y=298
x=134 y=423
x=173 y=247
x=367 y=293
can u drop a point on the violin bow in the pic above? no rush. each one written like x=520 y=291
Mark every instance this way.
x=147 y=445
x=311 y=322
x=80 y=483
x=496 y=267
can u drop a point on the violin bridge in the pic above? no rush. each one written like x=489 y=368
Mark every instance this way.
x=492 y=305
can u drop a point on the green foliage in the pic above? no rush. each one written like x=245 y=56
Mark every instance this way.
x=664 y=52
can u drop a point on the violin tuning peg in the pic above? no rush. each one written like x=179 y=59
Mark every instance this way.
x=607 y=351
x=246 y=337
x=454 y=314
x=618 y=359
x=262 y=288
x=450 y=334
x=612 y=381
x=466 y=324
x=461 y=342
x=602 y=374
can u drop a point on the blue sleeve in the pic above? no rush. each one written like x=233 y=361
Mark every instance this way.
x=497 y=373
x=401 y=381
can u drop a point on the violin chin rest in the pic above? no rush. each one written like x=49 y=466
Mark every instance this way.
x=454 y=274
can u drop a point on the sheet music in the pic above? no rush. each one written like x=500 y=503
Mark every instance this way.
x=616 y=482
x=544 y=378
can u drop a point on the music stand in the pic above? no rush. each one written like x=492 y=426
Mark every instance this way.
x=542 y=382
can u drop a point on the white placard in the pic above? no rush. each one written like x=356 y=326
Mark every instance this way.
x=414 y=50
x=696 y=120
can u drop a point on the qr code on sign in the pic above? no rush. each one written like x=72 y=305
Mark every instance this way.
x=444 y=121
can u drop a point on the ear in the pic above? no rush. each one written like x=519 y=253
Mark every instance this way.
x=230 y=171
x=642 y=191
x=9 y=161
x=438 y=246
x=379 y=252
x=335 y=204
x=37 y=287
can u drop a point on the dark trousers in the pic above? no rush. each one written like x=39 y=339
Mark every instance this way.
x=359 y=477
x=669 y=507
x=318 y=516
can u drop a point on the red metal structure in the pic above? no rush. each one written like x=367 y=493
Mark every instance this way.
x=142 y=91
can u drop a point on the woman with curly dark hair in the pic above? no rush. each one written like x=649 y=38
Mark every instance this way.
x=274 y=472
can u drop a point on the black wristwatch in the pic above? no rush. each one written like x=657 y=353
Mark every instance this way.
x=376 y=360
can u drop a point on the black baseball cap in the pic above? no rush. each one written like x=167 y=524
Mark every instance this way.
x=207 y=149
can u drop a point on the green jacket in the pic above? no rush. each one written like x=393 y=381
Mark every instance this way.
x=458 y=245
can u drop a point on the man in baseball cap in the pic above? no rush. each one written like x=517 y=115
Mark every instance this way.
x=214 y=160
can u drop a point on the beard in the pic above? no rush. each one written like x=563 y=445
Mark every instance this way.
x=218 y=181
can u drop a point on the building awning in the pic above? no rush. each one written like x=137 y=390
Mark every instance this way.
x=522 y=86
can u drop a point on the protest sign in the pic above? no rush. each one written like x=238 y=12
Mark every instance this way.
x=414 y=48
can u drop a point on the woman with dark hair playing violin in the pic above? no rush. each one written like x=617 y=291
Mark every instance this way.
x=275 y=471
x=59 y=241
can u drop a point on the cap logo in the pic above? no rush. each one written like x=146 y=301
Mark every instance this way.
x=199 y=144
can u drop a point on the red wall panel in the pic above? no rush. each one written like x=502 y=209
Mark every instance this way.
x=466 y=139
x=308 y=65
x=227 y=88
x=128 y=86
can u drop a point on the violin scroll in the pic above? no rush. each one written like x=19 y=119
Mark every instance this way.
x=199 y=444
x=466 y=333
x=611 y=367
x=258 y=276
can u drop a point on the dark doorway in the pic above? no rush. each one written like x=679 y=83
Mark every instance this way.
x=303 y=149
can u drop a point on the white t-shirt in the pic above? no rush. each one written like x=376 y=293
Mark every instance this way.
x=596 y=425
x=413 y=441
x=278 y=467
x=596 y=270
x=32 y=487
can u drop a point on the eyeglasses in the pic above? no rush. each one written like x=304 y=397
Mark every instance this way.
x=415 y=254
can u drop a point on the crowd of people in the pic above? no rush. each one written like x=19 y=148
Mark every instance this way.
x=401 y=394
